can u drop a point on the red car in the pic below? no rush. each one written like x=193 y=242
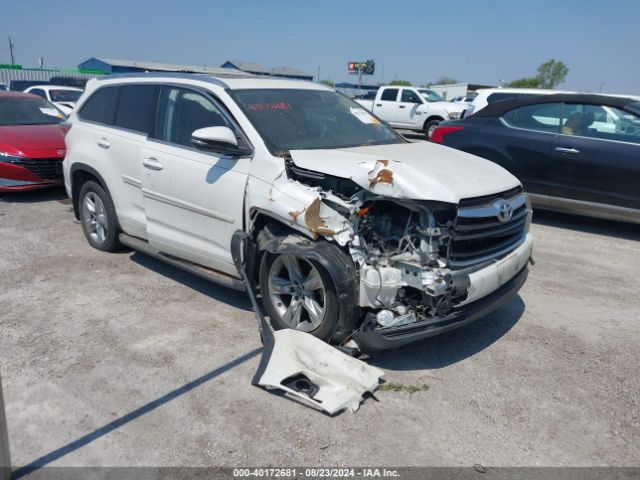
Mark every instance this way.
x=31 y=142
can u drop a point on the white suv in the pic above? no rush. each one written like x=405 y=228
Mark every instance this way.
x=486 y=96
x=354 y=233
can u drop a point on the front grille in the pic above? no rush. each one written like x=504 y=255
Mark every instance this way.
x=45 y=168
x=479 y=235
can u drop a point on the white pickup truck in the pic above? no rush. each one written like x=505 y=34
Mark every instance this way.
x=411 y=108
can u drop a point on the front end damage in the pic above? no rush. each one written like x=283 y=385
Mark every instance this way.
x=421 y=266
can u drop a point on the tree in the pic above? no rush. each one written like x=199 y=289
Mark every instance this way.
x=328 y=82
x=444 y=81
x=400 y=83
x=552 y=73
x=527 y=82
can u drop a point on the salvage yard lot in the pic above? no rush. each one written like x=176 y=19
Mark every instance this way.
x=88 y=338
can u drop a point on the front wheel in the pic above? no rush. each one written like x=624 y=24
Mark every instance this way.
x=430 y=126
x=298 y=293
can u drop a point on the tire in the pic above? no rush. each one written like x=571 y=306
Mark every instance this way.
x=290 y=299
x=98 y=217
x=430 y=126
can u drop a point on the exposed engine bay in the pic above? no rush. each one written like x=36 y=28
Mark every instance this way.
x=402 y=253
x=401 y=247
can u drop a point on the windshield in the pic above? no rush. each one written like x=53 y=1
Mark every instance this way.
x=64 y=95
x=290 y=119
x=28 y=111
x=430 y=95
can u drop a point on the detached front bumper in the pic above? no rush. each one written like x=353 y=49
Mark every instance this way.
x=491 y=287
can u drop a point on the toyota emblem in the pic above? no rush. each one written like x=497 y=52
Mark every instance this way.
x=61 y=152
x=505 y=211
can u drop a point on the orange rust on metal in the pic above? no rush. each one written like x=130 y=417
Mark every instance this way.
x=314 y=221
x=384 y=163
x=363 y=211
x=383 y=176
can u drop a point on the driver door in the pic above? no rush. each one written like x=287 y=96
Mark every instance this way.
x=193 y=198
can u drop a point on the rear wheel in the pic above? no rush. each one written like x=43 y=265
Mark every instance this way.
x=298 y=293
x=98 y=217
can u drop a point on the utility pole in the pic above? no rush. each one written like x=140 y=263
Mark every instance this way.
x=5 y=459
x=11 y=45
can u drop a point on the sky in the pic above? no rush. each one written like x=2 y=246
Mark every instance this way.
x=420 y=41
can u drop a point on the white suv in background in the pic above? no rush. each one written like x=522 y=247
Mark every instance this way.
x=485 y=96
x=354 y=233
x=64 y=98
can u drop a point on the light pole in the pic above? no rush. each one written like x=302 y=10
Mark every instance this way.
x=5 y=459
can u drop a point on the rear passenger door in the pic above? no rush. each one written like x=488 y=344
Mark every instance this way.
x=117 y=120
x=596 y=158
x=193 y=198
x=387 y=106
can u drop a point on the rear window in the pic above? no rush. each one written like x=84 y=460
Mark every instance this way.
x=101 y=106
x=136 y=107
x=64 y=95
x=496 y=97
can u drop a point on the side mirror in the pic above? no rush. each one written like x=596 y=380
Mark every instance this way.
x=218 y=139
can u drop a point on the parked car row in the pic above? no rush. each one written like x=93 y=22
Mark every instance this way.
x=574 y=153
x=354 y=234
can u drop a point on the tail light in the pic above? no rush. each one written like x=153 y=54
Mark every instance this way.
x=438 y=134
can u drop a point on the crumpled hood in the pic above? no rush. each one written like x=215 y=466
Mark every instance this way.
x=419 y=171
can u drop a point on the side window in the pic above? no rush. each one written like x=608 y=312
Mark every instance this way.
x=39 y=92
x=601 y=121
x=410 y=96
x=496 y=97
x=136 y=107
x=543 y=117
x=389 y=94
x=101 y=106
x=182 y=111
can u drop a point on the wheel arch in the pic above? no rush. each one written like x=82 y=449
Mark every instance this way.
x=80 y=173
x=332 y=258
x=431 y=119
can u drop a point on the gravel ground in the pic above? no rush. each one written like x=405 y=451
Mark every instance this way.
x=97 y=352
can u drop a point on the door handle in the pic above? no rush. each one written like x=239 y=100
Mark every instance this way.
x=152 y=163
x=103 y=142
x=567 y=150
x=378 y=104
x=401 y=106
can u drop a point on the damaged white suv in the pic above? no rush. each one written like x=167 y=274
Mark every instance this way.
x=354 y=233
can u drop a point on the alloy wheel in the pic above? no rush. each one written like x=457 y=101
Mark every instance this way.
x=95 y=218
x=297 y=292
